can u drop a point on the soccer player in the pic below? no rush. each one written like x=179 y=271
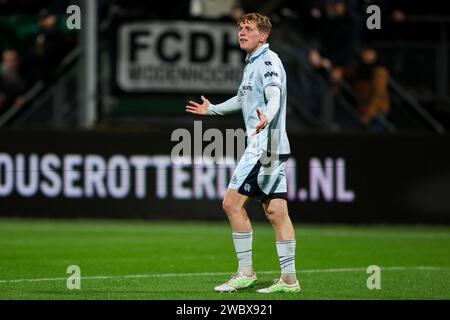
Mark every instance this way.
x=260 y=173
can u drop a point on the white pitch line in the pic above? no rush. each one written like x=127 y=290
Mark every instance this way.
x=201 y=274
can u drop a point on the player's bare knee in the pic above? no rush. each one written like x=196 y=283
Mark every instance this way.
x=272 y=215
x=275 y=213
x=225 y=206
x=230 y=207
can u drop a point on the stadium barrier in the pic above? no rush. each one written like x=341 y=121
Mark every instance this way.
x=342 y=178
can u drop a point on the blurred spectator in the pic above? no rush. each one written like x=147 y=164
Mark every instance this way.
x=12 y=86
x=340 y=32
x=237 y=11
x=47 y=47
x=306 y=12
x=369 y=78
x=312 y=89
x=319 y=63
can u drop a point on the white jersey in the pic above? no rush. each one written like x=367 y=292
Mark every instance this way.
x=263 y=69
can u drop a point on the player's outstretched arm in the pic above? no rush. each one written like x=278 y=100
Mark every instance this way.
x=197 y=108
x=224 y=108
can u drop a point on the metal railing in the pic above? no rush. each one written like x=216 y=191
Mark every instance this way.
x=415 y=106
x=442 y=67
x=409 y=103
x=47 y=103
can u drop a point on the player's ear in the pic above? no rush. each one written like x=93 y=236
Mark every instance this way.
x=264 y=37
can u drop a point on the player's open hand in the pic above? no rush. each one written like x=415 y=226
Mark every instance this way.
x=197 y=108
x=262 y=121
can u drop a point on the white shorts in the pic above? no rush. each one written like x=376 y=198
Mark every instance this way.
x=260 y=176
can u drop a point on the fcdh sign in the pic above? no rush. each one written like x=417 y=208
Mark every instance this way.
x=178 y=56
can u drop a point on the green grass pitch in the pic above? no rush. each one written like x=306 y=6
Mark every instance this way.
x=123 y=259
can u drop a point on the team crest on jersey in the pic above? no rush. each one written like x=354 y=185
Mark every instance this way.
x=267 y=63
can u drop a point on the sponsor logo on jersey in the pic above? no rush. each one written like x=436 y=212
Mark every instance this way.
x=270 y=74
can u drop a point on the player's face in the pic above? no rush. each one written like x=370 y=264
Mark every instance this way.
x=250 y=38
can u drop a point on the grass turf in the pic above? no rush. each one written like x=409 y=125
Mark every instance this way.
x=144 y=260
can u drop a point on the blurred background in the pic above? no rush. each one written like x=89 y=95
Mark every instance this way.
x=368 y=109
x=342 y=75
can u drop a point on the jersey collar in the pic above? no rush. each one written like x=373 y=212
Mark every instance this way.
x=258 y=53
